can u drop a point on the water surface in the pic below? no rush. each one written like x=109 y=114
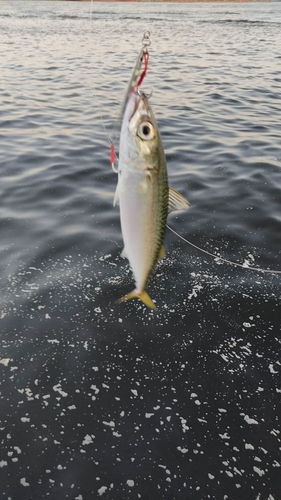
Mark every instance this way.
x=115 y=401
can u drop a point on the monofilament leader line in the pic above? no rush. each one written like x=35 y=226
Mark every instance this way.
x=146 y=42
x=218 y=258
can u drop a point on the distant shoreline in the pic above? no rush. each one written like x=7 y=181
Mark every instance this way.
x=177 y=1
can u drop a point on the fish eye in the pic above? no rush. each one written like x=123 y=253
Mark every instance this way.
x=146 y=131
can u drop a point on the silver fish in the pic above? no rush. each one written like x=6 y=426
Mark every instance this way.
x=142 y=189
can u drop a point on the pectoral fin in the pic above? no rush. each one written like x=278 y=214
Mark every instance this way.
x=116 y=195
x=176 y=201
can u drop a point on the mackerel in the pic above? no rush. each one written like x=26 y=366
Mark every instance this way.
x=142 y=189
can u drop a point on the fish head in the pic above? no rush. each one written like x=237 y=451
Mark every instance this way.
x=144 y=130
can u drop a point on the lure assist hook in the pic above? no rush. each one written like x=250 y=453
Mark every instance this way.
x=146 y=39
x=146 y=42
x=145 y=61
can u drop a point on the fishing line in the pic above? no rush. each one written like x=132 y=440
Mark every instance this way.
x=113 y=156
x=91 y=11
x=218 y=258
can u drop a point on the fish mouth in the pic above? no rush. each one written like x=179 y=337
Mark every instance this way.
x=143 y=99
x=140 y=104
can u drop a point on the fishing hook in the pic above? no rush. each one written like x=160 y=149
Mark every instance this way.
x=146 y=42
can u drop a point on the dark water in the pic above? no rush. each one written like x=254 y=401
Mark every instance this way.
x=100 y=400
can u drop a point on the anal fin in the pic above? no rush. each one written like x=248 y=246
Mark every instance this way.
x=124 y=254
x=162 y=253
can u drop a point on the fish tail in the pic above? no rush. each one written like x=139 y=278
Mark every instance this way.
x=143 y=296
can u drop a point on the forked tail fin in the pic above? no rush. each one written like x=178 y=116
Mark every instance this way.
x=143 y=296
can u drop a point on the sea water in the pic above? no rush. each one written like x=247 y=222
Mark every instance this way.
x=115 y=401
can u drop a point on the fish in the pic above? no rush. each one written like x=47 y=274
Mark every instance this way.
x=142 y=191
